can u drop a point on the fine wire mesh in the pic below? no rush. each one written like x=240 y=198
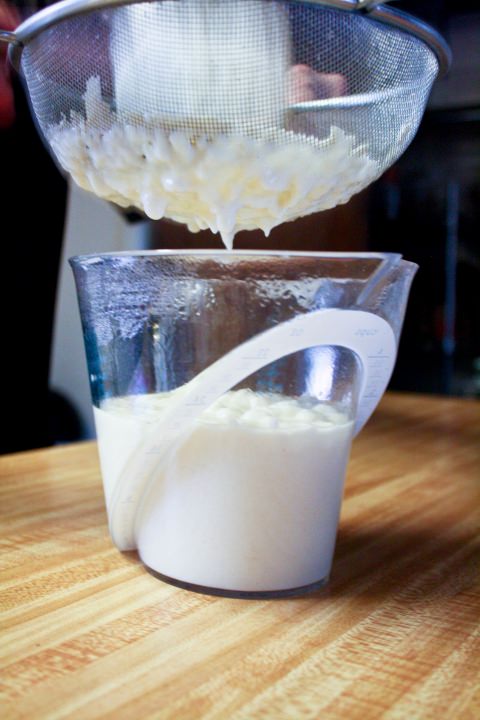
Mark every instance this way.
x=226 y=69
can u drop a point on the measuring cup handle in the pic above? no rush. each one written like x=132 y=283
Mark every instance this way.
x=372 y=339
x=369 y=336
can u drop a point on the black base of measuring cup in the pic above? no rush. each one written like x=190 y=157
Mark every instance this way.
x=241 y=594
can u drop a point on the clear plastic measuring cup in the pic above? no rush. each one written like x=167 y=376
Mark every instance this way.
x=227 y=388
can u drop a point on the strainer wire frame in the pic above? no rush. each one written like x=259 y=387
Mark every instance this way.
x=50 y=16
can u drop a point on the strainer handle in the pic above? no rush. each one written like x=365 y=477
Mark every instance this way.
x=9 y=37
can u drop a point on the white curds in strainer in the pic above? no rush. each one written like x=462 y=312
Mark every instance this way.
x=228 y=114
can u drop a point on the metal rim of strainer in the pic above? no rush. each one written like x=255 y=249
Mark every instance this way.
x=374 y=9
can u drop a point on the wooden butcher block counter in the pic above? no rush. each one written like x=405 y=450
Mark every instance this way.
x=87 y=632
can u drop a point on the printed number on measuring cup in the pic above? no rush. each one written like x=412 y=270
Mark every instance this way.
x=366 y=332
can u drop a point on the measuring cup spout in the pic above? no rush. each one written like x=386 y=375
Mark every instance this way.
x=387 y=294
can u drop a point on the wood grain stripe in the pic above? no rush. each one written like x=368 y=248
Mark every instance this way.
x=87 y=633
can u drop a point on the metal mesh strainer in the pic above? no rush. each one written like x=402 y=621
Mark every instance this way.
x=227 y=113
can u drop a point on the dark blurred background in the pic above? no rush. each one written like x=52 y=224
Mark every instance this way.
x=426 y=207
